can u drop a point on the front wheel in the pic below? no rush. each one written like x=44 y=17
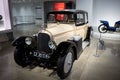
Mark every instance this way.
x=65 y=63
x=102 y=28
x=20 y=57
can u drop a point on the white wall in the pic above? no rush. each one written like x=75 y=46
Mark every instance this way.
x=106 y=10
x=100 y=9
x=5 y=23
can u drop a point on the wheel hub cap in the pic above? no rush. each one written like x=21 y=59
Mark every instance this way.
x=68 y=62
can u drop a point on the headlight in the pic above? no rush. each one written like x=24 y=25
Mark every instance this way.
x=28 y=40
x=51 y=45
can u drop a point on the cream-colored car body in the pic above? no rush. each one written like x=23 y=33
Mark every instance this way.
x=63 y=32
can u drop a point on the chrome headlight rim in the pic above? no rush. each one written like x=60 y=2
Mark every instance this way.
x=28 y=40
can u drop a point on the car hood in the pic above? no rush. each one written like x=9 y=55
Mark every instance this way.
x=57 y=29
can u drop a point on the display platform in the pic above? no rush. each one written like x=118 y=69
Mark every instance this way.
x=108 y=35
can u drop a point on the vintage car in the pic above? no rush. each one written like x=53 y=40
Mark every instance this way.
x=58 y=44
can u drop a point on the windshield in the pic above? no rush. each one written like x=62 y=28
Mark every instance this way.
x=61 y=18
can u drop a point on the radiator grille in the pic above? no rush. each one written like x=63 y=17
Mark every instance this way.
x=42 y=41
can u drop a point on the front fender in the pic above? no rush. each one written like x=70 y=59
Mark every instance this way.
x=64 y=46
x=20 y=41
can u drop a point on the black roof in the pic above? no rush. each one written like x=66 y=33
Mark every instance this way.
x=68 y=11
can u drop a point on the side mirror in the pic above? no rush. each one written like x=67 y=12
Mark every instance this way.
x=0 y=17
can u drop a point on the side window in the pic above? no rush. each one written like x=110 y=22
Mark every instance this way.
x=86 y=18
x=80 y=19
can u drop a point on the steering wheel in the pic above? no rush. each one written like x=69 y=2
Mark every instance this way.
x=0 y=17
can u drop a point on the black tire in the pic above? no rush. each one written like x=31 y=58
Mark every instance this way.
x=0 y=17
x=62 y=73
x=102 y=28
x=20 y=58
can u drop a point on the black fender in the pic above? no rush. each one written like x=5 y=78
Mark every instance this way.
x=88 y=34
x=20 y=42
x=64 y=46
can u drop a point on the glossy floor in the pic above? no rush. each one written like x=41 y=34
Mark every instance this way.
x=104 y=66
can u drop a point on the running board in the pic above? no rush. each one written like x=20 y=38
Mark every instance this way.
x=85 y=44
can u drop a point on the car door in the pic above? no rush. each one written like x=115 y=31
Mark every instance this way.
x=81 y=24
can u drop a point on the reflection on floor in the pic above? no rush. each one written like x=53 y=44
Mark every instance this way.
x=87 y=67
x=26 y=29
x=1 y=25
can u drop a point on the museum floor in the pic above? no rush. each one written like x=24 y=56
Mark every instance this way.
x=105 y=66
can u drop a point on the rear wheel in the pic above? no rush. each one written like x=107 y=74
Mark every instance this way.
x=20 y=57
x=102 y=28
x=65 y=63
